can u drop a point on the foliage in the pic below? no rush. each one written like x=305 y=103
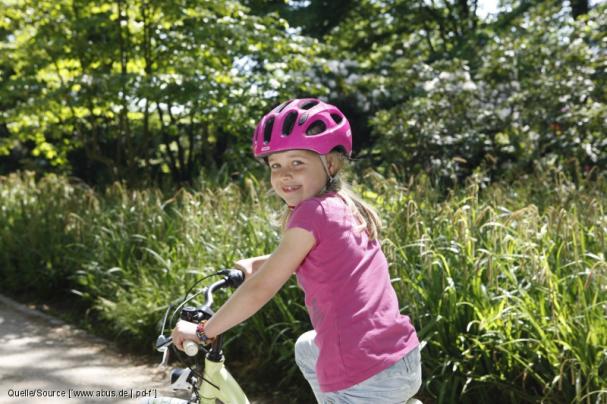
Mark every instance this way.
x=118 y=89
x=152 y=91
x=511 y=287
x=535 y=95
x=505 y=283
x=39 y=227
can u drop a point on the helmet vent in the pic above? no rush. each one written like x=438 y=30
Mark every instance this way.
x=315 y=128
x=289 y=123
x=337 y=118
x=282 y=106
x=267 y=130
x=309 y=104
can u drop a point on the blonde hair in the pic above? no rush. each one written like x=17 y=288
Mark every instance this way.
x=366 y=217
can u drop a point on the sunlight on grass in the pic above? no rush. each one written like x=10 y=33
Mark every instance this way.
x=505 y=284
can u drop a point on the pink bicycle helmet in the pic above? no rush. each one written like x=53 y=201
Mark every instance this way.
x=308 y=124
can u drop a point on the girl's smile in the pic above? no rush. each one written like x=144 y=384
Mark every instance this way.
x=293 y=188
x=297 y=175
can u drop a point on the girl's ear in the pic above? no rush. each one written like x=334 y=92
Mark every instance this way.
x=333 y=163
x=330 y=166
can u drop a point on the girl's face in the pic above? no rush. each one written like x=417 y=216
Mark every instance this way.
x=297 y=175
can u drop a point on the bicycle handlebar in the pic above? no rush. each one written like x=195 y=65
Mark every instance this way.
x=232 y=278
x=191 y=347
x=208 y=294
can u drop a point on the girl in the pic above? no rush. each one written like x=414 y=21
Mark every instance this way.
x=362 y=349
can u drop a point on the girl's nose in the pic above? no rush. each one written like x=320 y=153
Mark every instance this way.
x=286 y=173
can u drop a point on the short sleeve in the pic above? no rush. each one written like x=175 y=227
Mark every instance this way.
x=308 y=215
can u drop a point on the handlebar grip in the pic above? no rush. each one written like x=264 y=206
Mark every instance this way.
x=190 y=347
x=235 y=277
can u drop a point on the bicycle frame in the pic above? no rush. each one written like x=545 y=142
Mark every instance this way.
x=218 y=383
x=211 y=381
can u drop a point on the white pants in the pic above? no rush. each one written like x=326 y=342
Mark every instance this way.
x=396 y=384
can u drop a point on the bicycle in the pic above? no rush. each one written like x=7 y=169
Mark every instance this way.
x=205 y=375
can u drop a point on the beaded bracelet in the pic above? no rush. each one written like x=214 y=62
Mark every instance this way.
x=204 y=339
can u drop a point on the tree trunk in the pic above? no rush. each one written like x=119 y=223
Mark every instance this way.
x=147 y=52
x=124 y=144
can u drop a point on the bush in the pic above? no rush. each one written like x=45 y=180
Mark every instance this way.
x=532 y=93
x=40 y=226
x=505 y=283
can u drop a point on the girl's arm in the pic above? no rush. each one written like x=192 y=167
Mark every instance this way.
x=259 y=288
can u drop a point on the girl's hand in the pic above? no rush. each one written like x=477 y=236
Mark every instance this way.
x=249 y=265
x=184 y=331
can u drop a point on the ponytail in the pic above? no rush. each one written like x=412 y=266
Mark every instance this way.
x=365 y=216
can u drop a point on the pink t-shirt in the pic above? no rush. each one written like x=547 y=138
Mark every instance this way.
x=352 y=305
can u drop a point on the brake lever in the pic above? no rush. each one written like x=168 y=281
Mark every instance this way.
x=165 y=358
x=162 y=345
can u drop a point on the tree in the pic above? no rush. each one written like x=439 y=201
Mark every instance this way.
x=316 y=18
x=430 y=75
x=123 y=90
x=535 y=97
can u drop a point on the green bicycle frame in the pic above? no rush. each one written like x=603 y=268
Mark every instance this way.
x=215 y=383
x=218 y=383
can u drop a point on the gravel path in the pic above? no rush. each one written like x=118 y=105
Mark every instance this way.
x=43 y=360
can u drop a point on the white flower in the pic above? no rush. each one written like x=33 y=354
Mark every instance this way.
x=469 y=86
x=430 y=85
x=445 y=76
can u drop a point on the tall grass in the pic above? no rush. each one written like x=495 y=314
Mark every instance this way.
x=507 y=287
x=506 y=284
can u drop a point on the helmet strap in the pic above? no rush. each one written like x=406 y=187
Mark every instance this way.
x=325 y=164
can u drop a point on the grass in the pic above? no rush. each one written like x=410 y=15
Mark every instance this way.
x=506 y=283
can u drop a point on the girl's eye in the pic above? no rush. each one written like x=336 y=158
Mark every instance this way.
x=274 y=166
x=297 y=163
